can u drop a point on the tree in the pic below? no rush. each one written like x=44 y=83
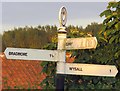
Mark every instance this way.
x=94 y=28
x=28 y=37
x=107 y=52
x=111 y=24
x=111 y=32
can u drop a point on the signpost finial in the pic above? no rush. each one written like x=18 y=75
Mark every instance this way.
x=62 y=19
x=63 y=16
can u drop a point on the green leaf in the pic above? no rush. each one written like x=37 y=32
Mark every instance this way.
x=108 y=32
x=117 y=26
x=104 y=27
x=105 y=13
x=117 y=54
x=43 y=63
x=112 y=39
x=112 y=23
x=103 y=39
x=112 y=5
x=106 y=20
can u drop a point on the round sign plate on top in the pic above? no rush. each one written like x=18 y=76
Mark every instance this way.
x=62 y=16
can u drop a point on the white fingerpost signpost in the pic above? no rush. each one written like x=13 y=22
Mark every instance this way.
x=59 y=55
x=62 y=33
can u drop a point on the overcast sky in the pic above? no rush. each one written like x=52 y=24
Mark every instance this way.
x=15 y=14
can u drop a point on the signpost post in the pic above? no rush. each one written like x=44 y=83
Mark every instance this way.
x=60 y=54
x=62 y=33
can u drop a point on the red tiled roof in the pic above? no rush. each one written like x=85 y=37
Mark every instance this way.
x=19 y=73
x=23 y=74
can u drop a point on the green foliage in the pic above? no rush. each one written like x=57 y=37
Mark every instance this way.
x=94 y=28
x=111 y=30
x=28 y=37
x=107 y=52
x=49 y=68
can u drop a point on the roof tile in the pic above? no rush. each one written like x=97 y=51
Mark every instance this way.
x=23 y=73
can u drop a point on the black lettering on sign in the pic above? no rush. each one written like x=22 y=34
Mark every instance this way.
x=75 y=69
x=69 y=43
x=110 y=70
x=51 y=55
x=18 y=53
x=70 y=68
